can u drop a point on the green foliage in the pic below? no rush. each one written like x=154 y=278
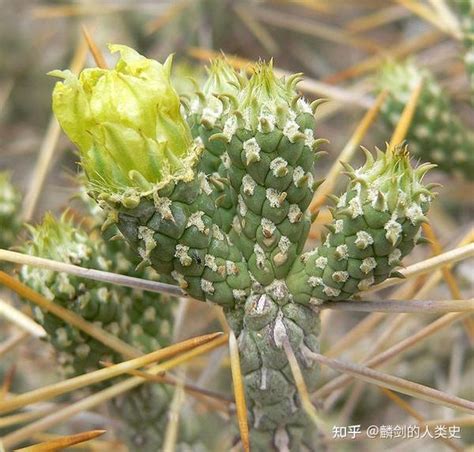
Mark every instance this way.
x=466 y=10
x=10 y=204
x=436 y=133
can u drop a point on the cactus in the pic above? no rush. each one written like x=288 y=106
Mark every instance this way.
x=140 y=319
x=225 y=215
x=10 y=202
x=436 y=134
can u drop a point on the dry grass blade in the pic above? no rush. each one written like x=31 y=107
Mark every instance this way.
x=48 y=146
x=14 y=341
x=89 y=273
x=213 y=399
x=260 y=33
x=171 y=433
x=412 y=412
x=302 y=389
x=21 y=418
x=63 y=387
x=448 y=276
x=62 y=11
x=407 y=116
x=94 y=49
x=428 y=265
x=347 y=153
x=376 y=19
x=394 y=351
x=369 y=323
x=415 y=306
x=69 y=317
x=431 y=16
x=372 y=63
x=63 y=442
x=464 y=421
x=60 y=416
x=239 y=392
x=21 y=320
x=169 y=14
x=398 y=384
x=313 y=28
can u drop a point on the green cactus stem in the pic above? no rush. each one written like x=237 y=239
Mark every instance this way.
x=10 y=204
x=376 y=224
x=138 y=318
x=255 y=138
x=436 y=134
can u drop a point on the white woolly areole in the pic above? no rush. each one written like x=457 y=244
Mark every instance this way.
x=259 y=255
x=321 y=262
x=309 y=140
x=205 y=185
x=270 y=121
x=290 y=130
x=210 y=262
x=331 y=291
x=363 y=240
x=146 y=234
x=179 y=278
x=413 y=212
x=239 y=294
x=355 y=206
x=342 y=252
x=212 y=113
x=273 y=197
x=394 y=230
x=303 y=106
x=338 y=226
x=207 y=286
x=248 y=185
x=394 y=257
x=342 y=201
x=252 y=150
x=195 y=219
x=277 y=164
x=217 y=233
x=181 y=252
x=284 y=244
x=268 y=226
x=368 y=264
x=340 y=276
x=298 y=173
x=231 y=268
x=225 y=159
x=230 y=127
x=163 y=207
x=315 y=281
x=294 y=213
x=278 y=289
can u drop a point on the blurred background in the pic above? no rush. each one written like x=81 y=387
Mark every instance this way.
x=340 y=46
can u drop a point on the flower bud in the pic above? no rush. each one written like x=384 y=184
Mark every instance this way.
x=126 y=123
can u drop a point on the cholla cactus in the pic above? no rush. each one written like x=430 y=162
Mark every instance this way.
x=436 y=133
x=10 y=202
x=253 y=154
x=140 y=319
